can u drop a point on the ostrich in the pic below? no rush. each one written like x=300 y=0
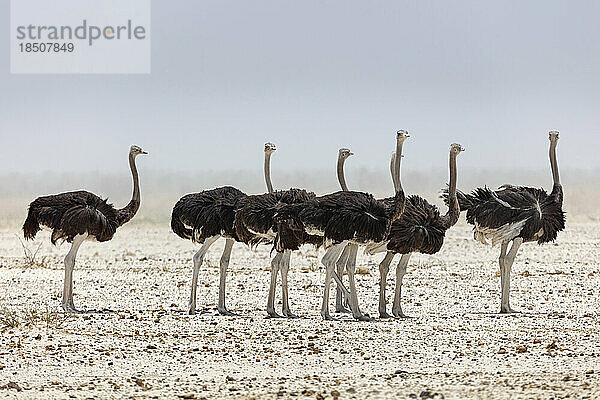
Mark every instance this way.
x=420 y=229
x=79 y=216
x=515 y=213
x=204 y=217
x=254 y=225
x=340 y=306
x=341 y=218
x=343 y=155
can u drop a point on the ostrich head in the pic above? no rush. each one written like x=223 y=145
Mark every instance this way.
x=136 y=150
x=345 y=153
x=456 y=148
x=553 y=136
x=402 y=135
x=270 y=148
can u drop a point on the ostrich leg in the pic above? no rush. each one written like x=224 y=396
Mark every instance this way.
x=508 y=262
x=329 y=262
x=223 y=265
x=350 y=266
x=275 y=263
x=284 y=285
x=67 y=301
x=384 y=268
x=340 y=304
x=502 y=263
x=197 y=260
x=400 y=272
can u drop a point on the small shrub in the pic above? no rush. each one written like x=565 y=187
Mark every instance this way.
x=30 y=256
x=9 y=319
x=31 y=318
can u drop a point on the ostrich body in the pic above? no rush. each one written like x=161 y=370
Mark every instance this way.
x=254 y=225
x=340 y=303
x=420 y=229
x=203 y=218
x=206 y=216
x=78 y=216
x=341 y=218
x=515 y=213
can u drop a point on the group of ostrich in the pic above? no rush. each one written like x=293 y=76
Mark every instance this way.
x=341 y=222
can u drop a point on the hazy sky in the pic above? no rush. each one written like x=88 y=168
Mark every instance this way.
x=313 y=76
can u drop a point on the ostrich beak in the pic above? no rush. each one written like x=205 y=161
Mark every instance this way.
x=143 y=152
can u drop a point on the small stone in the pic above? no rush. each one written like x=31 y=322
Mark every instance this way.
x=13 y=385
x=362 y=270
x=590 y=372
x=502 y=350
x=335 y=394
x=521 y=349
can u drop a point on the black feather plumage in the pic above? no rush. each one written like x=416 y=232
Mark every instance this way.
x=339 y=216
x=71 y=214
x=542 y=212
x=254 y=222
x=198 y=216
x=420 y=228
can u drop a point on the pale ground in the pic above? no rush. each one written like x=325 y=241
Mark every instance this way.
x=142 y=343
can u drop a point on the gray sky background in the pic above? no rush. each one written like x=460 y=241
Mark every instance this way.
x=313 y=76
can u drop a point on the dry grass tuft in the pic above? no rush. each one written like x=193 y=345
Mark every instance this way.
x=31 y=318
x=30 y=257
x=9 y=320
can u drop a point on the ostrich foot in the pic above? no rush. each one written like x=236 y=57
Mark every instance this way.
x=327 y=317
x=508 y=310
x=272 y=314
x=384 y=315
x=289 y=314
x=399 y=314
x=225 y=311
x=70 y=308
x=363 y=317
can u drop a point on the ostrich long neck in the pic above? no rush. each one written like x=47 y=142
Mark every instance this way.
x=453 y=207
x=397 y=160
x=399 y=198
x=268 y=172
x=127 y=212
x=557 y=188
x=554 y=164
x=340 y=173
x=393 y=171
